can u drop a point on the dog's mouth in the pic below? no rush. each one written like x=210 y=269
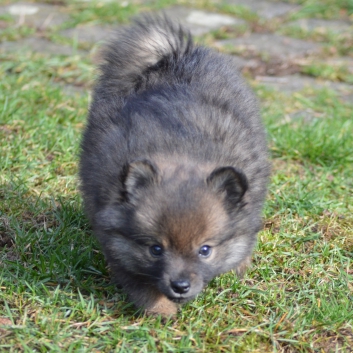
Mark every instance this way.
x=180 y=300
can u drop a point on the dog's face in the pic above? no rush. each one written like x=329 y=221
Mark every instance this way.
x=176 y=230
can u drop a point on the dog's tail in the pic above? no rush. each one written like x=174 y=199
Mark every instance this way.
x=137 y=51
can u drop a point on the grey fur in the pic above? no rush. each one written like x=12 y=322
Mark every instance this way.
x=174 y=154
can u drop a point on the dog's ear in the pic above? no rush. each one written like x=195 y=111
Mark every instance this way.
x=230 y=183
x=140 y=175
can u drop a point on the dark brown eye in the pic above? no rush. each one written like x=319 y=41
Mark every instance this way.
x=156 y=250
x=205 y=251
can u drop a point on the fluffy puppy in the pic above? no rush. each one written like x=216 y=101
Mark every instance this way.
x=173 y=165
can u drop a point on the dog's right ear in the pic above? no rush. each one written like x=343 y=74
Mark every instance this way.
x=140 y=175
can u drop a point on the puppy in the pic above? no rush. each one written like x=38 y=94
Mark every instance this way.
x=173 y=165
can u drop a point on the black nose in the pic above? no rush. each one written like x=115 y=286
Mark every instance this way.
x=181 y=286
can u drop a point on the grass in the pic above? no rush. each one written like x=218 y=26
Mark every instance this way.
x=55 y=291
x=329 y=9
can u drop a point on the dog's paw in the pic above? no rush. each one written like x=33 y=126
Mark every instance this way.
x=162 y=306
x=243 y=266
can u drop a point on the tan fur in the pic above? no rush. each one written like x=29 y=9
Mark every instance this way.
x=243 y=266
x=162 y=306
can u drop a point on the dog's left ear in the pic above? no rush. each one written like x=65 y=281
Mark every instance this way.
x=229 y=182
x=140 y=175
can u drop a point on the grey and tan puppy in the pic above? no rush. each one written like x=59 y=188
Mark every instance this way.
x=173 y=165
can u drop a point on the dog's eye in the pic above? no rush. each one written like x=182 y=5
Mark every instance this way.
x=156 y=250
x=205 y=251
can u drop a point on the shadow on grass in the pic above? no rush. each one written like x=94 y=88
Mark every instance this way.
x=48 y=242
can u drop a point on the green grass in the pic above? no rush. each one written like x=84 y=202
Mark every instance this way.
x=96 y=12
x=55 y=290
x=329 y=9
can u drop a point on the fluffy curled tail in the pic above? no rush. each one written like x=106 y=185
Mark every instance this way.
x=138 y=50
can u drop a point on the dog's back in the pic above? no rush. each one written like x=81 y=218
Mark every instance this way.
x=169 y=118
x=158 y=93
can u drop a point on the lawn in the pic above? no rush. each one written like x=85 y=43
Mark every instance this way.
x=55 y=290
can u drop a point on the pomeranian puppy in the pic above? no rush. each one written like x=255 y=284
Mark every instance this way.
x=173 y=166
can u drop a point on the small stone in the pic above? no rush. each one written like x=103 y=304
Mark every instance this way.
x=20 y=10
x=201 y=22
x=211 y=20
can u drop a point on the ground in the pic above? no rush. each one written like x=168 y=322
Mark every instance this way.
x=55 y=291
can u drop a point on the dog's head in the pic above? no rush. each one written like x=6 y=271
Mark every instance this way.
x=178 y=227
